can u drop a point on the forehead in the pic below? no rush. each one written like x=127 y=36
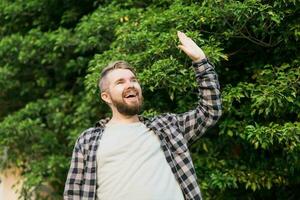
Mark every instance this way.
x=117 y=74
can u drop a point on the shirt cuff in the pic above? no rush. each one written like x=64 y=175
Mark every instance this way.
x=201 y=62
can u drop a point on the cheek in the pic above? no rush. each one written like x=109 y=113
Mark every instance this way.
x=116 y=91
x=138 y=87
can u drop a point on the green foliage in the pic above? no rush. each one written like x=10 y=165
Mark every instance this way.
x=287 y=136
x=51 y=53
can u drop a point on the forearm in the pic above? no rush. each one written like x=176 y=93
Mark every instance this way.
x=209 y=92
x=195 y=122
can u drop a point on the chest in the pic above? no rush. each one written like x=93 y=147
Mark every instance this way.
x=123 y=144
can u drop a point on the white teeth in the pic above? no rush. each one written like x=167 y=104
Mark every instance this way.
x=130 y=94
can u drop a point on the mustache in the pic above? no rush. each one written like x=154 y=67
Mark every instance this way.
x=132 y=89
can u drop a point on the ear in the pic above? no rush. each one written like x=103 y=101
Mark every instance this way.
x=106 y=97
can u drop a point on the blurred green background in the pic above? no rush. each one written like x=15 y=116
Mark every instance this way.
x=52 y=51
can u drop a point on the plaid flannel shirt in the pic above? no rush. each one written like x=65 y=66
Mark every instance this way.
x=175 y=131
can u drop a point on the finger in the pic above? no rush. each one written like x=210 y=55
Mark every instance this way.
x=183 y=48
x=182 y=37
x=181 y=34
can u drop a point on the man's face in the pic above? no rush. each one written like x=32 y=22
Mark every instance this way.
x=123 y=92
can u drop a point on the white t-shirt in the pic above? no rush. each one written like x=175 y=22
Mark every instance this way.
x=131 y=166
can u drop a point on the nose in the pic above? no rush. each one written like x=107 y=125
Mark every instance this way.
x=129 y=84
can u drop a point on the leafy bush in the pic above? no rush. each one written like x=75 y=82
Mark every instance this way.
x=51 y=53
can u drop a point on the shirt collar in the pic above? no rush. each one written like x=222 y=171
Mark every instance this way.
x=101 y=123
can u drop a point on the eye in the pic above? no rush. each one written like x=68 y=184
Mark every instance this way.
x=134 y=80
x=119 y=82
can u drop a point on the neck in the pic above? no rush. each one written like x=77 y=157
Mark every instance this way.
x=123 y=119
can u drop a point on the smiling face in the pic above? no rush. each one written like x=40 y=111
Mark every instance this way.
x=122 y=92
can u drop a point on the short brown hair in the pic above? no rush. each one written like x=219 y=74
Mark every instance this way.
x=119 y=64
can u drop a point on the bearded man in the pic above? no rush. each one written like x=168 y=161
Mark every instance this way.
x=129 y=157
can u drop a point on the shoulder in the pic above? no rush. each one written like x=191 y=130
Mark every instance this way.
x=89 y=135
x=167 y=117
x=164 y=120
x=167 y=124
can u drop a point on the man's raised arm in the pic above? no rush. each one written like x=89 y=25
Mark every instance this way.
x=195 y=122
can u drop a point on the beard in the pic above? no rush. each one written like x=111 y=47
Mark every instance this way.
x=128 y=109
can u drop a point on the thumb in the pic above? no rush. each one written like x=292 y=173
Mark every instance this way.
x=183 y=48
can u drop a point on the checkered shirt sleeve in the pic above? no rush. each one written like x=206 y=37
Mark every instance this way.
x=75 y=175
x=195 y=122
x=81 y=179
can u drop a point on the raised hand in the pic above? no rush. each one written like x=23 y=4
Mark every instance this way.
x=190 y=47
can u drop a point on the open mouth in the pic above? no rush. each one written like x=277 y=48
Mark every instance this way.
x=131 y=95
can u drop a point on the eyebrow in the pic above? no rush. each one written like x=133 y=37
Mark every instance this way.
x=121 y=79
